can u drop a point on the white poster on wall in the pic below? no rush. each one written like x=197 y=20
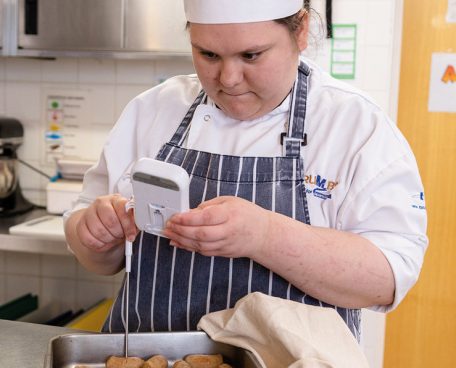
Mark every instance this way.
x=442 y=92
x=76 y=123
x=451 y=13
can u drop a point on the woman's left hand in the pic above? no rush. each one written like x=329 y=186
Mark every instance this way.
x=223 y=226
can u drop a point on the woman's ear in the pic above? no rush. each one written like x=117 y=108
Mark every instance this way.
x=302 y=33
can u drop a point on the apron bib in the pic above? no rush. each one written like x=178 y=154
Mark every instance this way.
x=171 y=288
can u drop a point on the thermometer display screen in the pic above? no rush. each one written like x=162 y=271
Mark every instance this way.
x=155 y=180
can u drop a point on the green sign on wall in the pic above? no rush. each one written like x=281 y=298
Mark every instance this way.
x=343 y=51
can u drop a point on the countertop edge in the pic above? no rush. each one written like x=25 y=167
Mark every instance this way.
x=29 y=244
x=16 y=243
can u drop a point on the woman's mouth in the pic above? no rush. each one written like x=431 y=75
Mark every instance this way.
x=235 y=94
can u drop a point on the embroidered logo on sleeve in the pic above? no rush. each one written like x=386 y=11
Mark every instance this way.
x=418 y=201
x=319 y=187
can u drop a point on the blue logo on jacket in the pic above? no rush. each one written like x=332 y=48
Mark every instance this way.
x=418 y=201
x=321 y=193
x=322 y=188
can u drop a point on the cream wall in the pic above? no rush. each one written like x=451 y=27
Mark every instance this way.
x=114 y=83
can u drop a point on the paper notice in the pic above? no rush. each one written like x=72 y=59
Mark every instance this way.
x=343 y=51
x=451 y=13
x=73 y=123
x=442 y=94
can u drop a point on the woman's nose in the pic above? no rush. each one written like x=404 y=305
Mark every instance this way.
x=231 y=74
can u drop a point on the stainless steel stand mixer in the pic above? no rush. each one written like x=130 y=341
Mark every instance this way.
x=12 y=202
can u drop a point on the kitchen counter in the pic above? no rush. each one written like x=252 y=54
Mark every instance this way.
x=7 y=222
x=25 y=344
x=29 y=244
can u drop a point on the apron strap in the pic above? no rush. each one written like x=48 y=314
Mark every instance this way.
x=295 y=137
x=182 y=131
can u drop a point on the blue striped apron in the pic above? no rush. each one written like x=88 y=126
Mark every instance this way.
x=171 y=288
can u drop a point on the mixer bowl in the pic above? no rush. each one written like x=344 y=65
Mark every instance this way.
x=8 y=176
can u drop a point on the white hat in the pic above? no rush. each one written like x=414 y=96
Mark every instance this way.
x=239 y=11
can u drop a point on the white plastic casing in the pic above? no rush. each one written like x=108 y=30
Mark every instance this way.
x=160 y=190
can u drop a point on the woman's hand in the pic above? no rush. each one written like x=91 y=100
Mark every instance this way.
x=224 y=226
x=106 y=223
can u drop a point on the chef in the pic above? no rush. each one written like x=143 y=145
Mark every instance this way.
x=301 y=187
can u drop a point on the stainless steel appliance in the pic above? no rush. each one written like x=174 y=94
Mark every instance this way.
x=12 y=202
x=93 y=350
x=70 y=24
x=1 y=25
x=110 y=28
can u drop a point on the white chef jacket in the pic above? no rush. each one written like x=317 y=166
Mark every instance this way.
x=361 y=175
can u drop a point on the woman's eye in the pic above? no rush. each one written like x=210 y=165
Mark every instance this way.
x=250 y=56
x=209 y=55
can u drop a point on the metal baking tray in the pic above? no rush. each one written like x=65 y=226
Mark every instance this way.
x=92 y=350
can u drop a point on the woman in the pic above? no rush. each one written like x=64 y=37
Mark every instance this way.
x=301 y=187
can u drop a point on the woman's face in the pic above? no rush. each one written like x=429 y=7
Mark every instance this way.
x=247 y=69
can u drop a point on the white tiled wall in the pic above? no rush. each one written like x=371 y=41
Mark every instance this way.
x=375 y=21
x=115 y=82
x=23 y=83
x=56 y=279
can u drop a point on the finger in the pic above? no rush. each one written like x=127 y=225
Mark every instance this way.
x=134 y=231
x=207 y=216
x=191 y=245
x=205 y=248
x=86 y=236
x=96 y=227
x=100 y=217
x=126 y=218
x=197 y=233
x=106 y=212
x=91 y=242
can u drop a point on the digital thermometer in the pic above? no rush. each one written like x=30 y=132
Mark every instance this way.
x=160 y=190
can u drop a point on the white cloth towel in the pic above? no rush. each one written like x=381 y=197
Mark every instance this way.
x=282 y=333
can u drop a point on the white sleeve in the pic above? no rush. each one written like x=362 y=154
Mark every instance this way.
x=390 y=212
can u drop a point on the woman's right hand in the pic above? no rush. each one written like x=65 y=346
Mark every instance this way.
x=106 y=223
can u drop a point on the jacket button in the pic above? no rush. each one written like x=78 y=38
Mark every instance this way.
x=207 y=117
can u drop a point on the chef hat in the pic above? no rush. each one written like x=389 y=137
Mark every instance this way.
x=239 y=11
